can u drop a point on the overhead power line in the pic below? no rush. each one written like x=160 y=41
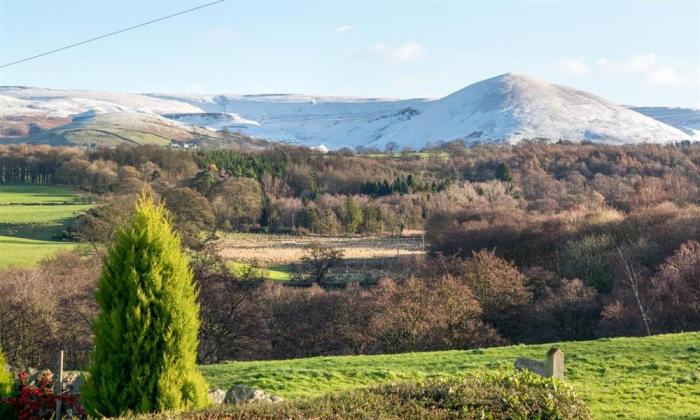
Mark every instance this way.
x=110 y=34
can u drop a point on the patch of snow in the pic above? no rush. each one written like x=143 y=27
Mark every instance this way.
x=214 y=120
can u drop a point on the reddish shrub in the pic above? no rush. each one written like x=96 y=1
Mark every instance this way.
x=39 y=401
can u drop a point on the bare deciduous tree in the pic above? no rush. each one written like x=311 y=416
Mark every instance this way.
x=632 y=279
x=233 y=314
x=319 y=259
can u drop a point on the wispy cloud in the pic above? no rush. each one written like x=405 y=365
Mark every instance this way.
x=670 y=76
x=403 y=53
x=634 y=64
x=647 y=69
x=654 y=72
x=343 y=28
x=664 y=76
x=410 y=51
x=379 y=47
x=220 y=34
x=576 y=66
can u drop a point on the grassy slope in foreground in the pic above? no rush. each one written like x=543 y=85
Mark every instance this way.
x=650 y=377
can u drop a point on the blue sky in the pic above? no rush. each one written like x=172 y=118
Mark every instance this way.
x=641 y=52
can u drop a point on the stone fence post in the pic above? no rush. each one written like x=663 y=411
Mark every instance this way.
x=59 y=385
x=552 y=367
x=555 y=363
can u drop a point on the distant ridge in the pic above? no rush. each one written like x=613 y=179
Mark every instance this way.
x=507 y=108
x=685 y=119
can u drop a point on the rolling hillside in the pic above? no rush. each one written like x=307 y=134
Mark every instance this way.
x=111 y=129
x=642 y=378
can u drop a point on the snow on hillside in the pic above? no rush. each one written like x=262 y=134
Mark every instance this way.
x=13 y=106
x=66 y=103
x=506 y=108
x=513 y=107
x=214 y=120
x=311 y=120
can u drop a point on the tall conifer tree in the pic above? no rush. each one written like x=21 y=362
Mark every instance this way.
x=146 y=332
x=353 y=215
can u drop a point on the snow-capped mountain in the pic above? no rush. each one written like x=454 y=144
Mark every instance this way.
x=514 y=107
x=507 y=108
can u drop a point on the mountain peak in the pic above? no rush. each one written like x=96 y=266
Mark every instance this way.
x=514 y=106
x=515 y=76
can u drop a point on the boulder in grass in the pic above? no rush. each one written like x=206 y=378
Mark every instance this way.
x=217 y=396
x=241 y=394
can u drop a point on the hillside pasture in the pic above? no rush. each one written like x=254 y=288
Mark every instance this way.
x=40 y=214
x=112 y=129
x=31 y=216
x=22 y=252
x=637 y=378
x=36 y=194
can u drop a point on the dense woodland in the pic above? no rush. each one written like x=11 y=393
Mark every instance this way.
x=527 y=243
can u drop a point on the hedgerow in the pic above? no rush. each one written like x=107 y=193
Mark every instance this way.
x=495 y=396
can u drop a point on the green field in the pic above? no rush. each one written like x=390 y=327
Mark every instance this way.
x=28 y=194
x=39 y=214
x=275 y=273
x=652 y=377
x=30 y=217
x=21 y=252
